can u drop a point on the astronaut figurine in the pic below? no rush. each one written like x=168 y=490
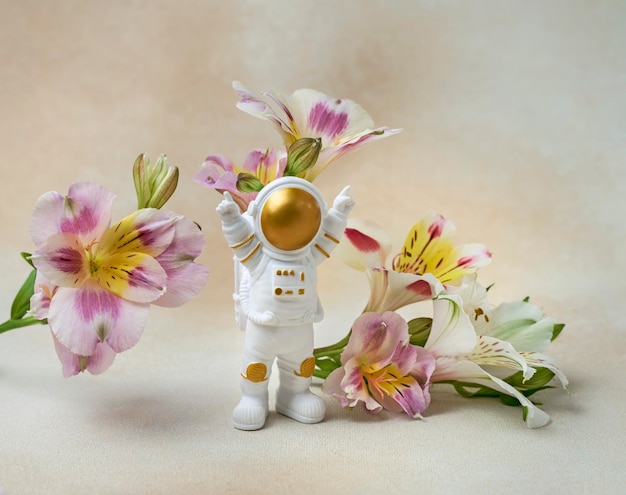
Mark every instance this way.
x=278 y=243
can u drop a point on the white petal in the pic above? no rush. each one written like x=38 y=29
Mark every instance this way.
x=452 y=333
x=471 y=372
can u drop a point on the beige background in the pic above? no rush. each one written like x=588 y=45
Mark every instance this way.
x=514 y=118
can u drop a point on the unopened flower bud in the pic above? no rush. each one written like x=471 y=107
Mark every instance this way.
x=302 y=155
x=154 y=184
x=248 y=183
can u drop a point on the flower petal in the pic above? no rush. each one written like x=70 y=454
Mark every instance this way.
x=452 y=333
x=80 y=318
x=72 y=364
x=355 y=387
x=221 y=179
x=404 y=394
x=467 y=371
x=86 y=212
x=475 y=300
x=493 y=352
x=319 y=115
x=183 y=284
x=149 y=231
x=539 y=360
x=267 y=165
x=134 y=276
x=261 y=108
x=428 y=249
x=364 y=245
x=40 y=300
x=392 y=290
x=375 y=337
x=187 y=244
x=520 y=323
x=327 y=155
x=62 y=260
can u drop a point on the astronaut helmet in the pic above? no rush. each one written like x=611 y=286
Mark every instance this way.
x=288 y=215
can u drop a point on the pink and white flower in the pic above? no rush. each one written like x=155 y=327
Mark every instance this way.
x=221 y=174
x=380 y=369
x=342 y=124
x=95 y=282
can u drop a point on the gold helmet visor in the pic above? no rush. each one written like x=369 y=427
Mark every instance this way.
x=290 y=218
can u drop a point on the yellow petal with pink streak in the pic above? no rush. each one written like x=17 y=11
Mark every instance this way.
x=133 y=276
x=149 y=231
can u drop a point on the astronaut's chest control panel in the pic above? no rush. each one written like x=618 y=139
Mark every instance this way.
x=290 y=281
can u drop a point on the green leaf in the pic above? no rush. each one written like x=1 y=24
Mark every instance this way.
x=21 y=303
x=526 y=299
x=323 y=374
x=541 y=378
x=463 y=388
x=27 y=257
x=558 y=328
x=419 y=330
x=327 y=364
x=248 y=183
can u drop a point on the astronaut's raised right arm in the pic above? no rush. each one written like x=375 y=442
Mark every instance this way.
x=238 y=231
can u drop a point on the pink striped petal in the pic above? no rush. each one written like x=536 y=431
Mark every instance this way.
x=187 y=244
x=62 y=260
x=355 y=388
x=319 y=115
x=375 y=337
x=40 y=300
x=81 y=318
x=86 y=212
x=274 y=111
x=183 y=284
x=72 y=364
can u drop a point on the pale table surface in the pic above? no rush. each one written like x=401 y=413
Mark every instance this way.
x=514 y=118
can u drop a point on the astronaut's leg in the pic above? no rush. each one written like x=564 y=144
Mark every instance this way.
x=252 y=410
x=294 y=398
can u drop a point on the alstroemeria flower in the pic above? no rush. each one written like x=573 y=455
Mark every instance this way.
x=221 y=174
x=342 y=124
x=524 y=326
x=381 y=369
x=435 y=262
x=428 y=249
x=461 y=355
x=95 y=282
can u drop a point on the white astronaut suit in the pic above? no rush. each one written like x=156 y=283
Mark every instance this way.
x=278 y=243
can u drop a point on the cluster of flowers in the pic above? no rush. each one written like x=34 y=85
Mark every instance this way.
x=93 y=283
x=385 y=362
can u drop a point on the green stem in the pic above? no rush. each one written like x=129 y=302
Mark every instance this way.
x=23 y=322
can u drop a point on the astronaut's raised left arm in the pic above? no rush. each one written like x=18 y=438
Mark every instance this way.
x=333 y=225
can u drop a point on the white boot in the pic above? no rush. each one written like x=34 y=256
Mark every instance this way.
x=296 y=401
x=252 y=410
